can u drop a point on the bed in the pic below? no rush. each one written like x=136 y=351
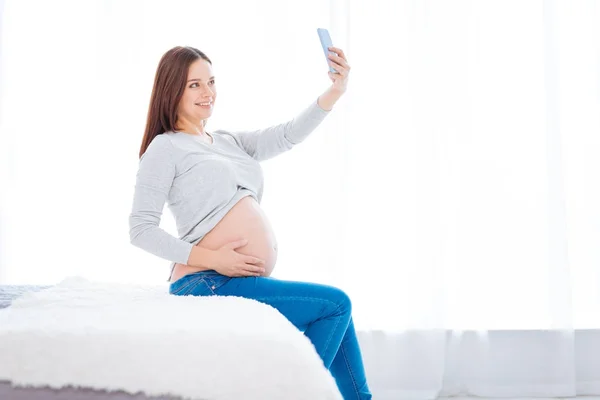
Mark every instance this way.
x=7 y=391
x=90 y=340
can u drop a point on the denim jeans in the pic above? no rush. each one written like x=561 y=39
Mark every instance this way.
x=322 y=312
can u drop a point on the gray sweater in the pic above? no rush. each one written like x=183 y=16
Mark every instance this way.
x=201 y=182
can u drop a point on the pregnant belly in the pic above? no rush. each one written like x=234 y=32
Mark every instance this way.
x=246 y=220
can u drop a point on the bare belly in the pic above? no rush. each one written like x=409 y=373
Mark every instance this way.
x=246 y=220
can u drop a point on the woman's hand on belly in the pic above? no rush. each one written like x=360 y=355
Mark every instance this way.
x=260 y=246
x=252 y=249
x=229 y=262
x=247 y=221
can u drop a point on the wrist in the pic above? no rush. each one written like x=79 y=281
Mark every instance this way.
x=336 y=92
x=327 y=100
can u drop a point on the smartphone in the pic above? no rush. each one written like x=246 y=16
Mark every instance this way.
x=325 y=43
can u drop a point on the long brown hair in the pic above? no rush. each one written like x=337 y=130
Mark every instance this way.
x=169 y=85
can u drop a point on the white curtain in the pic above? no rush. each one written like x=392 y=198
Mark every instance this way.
x=453 y=192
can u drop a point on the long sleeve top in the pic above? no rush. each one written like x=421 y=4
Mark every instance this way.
x=201 y=182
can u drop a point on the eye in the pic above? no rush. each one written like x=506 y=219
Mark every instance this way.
x=195 y=83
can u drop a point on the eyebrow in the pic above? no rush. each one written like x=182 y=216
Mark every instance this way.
x=197 y=79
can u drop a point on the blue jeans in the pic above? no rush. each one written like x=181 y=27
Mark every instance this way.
x=322 y=312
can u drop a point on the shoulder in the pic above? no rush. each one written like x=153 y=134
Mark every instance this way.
x=163 y=140
x=160 y=147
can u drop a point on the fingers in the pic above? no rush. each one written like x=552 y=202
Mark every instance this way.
x=237 y=243
x=338 y=51
x=338 y=68
x=250 y=270
x=338 y=60
x=254 y=260
x=339 y=65
x=253 y=266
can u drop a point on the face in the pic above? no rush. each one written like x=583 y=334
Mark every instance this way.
x=199 y=89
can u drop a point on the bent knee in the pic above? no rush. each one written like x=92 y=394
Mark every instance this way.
x=341 y=299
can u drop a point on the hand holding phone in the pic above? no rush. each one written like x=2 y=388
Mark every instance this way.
x=325 y=44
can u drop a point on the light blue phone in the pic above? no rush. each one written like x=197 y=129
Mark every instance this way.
x=325 y=43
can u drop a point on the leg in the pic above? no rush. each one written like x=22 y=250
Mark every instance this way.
x=347 y=367
x=323 y=312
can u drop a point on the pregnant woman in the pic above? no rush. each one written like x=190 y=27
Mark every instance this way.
x=213 y=184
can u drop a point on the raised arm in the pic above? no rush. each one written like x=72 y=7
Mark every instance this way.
x=262 y=144
x=155 y=175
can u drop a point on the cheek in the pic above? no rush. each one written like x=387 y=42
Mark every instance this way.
x=186 y=104
x=185 y=100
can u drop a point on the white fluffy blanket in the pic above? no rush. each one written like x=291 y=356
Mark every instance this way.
x=109 y=336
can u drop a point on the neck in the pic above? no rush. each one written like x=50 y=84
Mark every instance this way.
x=191 y=127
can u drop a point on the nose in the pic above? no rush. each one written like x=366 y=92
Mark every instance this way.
x=208 y=91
